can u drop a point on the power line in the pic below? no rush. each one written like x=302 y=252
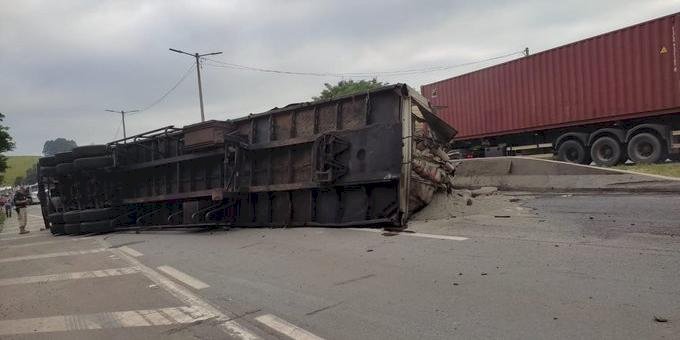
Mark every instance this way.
x=224 y=64
x=181 y=79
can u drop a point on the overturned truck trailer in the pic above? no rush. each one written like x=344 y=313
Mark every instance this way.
x=340 y=162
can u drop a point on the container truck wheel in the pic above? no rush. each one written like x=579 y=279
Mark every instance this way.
x=96 y=227
x=71 y=216
x=48 y=161
x=645 y=148
x=56 y=218
x=92 y=163
x=606 y=151
x=57 y=229
x=573 y=151
x=90 y=151
x=64 y=169
x=91 y=215
x=72 y=228
x=48 y=171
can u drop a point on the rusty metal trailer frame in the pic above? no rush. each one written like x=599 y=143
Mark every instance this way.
x=339 y=162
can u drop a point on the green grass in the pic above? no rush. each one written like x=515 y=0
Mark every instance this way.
x=668 y=169
x=17 y=166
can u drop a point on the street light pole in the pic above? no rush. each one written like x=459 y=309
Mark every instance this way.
x=198 y=73
x=122 y=117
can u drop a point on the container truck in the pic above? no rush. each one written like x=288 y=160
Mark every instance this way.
x=605 y=99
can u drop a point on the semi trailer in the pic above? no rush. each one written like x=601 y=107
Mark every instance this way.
x=347 y=161
x=606 y=99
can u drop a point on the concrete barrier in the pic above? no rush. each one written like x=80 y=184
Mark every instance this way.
x=532 y=174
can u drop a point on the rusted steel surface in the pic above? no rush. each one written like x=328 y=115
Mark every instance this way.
x=628 y=73
x=340 y=162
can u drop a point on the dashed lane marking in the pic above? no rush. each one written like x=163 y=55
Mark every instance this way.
x=108 y=320
x=69 y=276
x=183 y=277
x=131 y=251
x=49 y=255
x=439 y=237
x=286 y=328
x=225 y=322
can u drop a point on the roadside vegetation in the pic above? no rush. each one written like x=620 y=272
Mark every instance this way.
x=666 y=169
x=17 y=167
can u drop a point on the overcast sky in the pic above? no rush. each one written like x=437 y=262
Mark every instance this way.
x=63 y=62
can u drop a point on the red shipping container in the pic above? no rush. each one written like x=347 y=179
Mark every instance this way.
x=627 y=73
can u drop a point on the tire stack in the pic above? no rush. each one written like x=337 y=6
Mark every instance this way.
x=79 y=163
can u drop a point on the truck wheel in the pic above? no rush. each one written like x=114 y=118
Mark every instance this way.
x=48 y=161
x=57 y=229
x=48 y=171
x=64 y=169
x=72 y=228
x=56 y=218
x=97 y=227
x=93 y=162
x=64 y=157
x=606 y=151
x=91 y=215
x=71 y=216
x=645 y=148
x=90 y=151
x=574 y=152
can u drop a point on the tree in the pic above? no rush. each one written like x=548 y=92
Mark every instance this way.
x=18 y=181
x=345 y=87
x=6 y=144
x=52 y=147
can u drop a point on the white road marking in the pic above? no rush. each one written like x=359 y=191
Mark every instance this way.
x=440 y=237
x=68 y=276
x=131 y=251
x=49 y=255
x=286 y=328
x=108 y=320
x=41 y=243
x=187 y=297
x=183 y=277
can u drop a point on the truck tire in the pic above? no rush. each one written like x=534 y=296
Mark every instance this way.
x=645 y=148
x=48 y=171
x=71 y=216
x=64 y=157
x=57 y=229
x=90 y=151
x=91 y=163
x=56 y=218
x=48 y=161
x=104 y=226
x=64 y=169
x=72 y=228
x=606 y=151
x=91 y=215
x=573 y=151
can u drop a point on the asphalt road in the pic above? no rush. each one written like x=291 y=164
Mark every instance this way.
x=555 y=266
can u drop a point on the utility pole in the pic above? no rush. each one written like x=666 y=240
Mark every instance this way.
x=122 y=117
x=198 y=72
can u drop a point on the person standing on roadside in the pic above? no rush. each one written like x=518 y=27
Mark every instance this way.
x=21 y=202
x=8 y=205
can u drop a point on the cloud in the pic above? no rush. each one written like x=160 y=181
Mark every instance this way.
x=63 y=63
